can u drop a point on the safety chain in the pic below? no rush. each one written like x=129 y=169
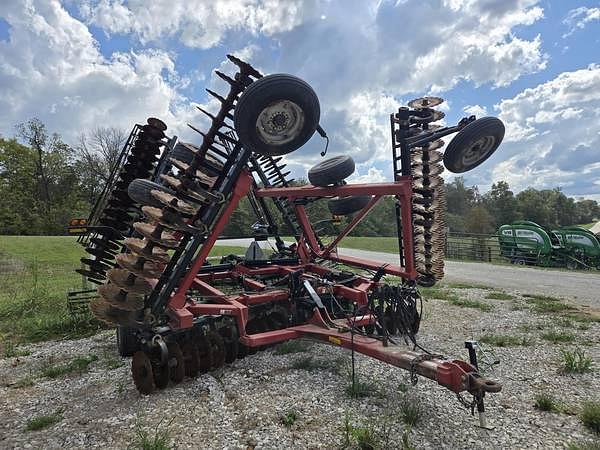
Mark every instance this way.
x=466 y=404
x=419 y=359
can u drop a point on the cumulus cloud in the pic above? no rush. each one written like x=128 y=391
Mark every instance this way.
x=476 y=110
x=552 y=134
x=578 y=18
x=364 y=59
x=196 y=23
x=51 y=68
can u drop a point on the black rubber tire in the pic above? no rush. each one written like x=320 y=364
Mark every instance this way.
x=127 y=342
x=265 y=92
x=181 y=153
x=331 y=171
x=347 y=205
x=139 y=191
x=459 y=158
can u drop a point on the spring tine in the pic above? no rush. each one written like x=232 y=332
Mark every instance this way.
x=217 y=96
x=196 y=129
x=276 y=160
x=244 y=66
x=206 y=112
x=283 y=175
x=226 y=78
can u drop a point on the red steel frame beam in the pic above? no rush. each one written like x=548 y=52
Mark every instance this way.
x=179 y=315
x=308 y=244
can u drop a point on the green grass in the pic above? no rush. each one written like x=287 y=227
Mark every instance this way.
x=161 y=439
x=411 y=411
x=584 y=445
x=437 y=293
x=474 y=304
x=546 y=304
x=496 y=295
x=76 y=365
x=590 y=416
x=575 y=361
x=546 y=402
x=41 y=422
x=11 y=350
x=466 y=286
x=35 y=274
x=558 y=337
x=505 y=340
x=289 y=418
x=293 y=346
x=24 y=382
x=361 y=389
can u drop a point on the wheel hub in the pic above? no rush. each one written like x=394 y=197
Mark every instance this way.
x=280 y=122
x=478 y=150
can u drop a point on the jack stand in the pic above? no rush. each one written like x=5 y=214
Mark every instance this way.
x=471 y=346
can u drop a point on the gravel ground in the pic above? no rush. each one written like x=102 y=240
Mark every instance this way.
x=240 y=406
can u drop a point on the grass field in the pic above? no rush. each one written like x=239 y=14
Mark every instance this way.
x=35 y=274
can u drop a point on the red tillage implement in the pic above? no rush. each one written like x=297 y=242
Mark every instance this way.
x=178 y=315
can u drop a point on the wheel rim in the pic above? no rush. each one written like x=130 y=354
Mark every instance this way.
x=478 y=150
x=280 y=122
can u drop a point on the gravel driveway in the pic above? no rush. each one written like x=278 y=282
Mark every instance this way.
x=241 y=405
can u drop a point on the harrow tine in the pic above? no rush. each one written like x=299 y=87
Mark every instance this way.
x=226 y=78
x=244 y=66
x=215 y=95
x=206 y=112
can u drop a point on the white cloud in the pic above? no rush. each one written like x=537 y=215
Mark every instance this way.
x=476 y=110
x=197 y=23
x=552 y=134
x=51 y=68
x=361 y=60
x=373 y=175
x=578 y=18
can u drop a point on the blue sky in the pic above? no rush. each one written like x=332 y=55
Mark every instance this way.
x=81 y=64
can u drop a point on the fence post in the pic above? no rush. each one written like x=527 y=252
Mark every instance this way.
x=489 y=254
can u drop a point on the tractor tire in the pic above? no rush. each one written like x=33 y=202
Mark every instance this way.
x=276 y=114
x=474 y=144
x=347 y=205
x=519 y=261
x=139 y=191
x=331 y=171
x=127 y=343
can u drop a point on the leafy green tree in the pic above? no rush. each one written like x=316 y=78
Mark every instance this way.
x=479 y=220
x=459 y=197
x=502 y=204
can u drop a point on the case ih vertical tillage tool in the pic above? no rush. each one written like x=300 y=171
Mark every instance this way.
x=179 y=316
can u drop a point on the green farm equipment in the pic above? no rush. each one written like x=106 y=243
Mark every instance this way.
x=581 y=245
x=525 y=242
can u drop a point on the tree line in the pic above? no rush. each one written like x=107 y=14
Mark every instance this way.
x=44 y=182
